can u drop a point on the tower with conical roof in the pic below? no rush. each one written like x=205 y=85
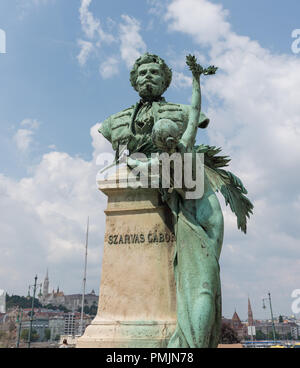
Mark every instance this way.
x=250 y=314
x=46 y=286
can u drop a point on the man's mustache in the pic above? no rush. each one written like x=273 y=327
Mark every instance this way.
x=148 y=81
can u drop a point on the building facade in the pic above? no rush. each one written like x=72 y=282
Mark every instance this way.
x=39 y=325
x=72 y=326
x=286 y=330
x=57 y=327
x=71 y=302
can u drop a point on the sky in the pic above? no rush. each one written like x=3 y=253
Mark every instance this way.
x=66 y=69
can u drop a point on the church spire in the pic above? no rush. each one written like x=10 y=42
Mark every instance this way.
x=46 y=285
x=250 y=314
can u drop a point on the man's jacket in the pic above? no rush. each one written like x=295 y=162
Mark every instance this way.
x=119 y=127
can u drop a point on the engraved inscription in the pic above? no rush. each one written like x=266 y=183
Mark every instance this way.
x=140 y=238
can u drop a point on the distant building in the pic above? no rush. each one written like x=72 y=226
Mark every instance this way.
x=72 y=324
x=39 y=325
x=238 y=326
x=2 y=301
x=72 y=302
x=283 y=330
x=56 y=326
x=295 y=331
x=241 y=328
x=59 y=324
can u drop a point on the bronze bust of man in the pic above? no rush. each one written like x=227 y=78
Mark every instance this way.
x=150 y=77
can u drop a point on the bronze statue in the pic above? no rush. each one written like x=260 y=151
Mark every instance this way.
x=154 y=125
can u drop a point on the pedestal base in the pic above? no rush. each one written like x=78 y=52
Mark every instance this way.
x=137 y=302
x=125 y=334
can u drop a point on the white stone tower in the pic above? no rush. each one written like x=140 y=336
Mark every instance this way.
x=46 y=286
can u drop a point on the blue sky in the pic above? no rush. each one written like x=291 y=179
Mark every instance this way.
x=67 y=68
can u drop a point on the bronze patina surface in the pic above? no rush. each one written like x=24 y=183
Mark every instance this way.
x=155 y=125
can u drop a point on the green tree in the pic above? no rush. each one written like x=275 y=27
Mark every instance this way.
x=63 y=308
x=54 y=307
x=86 y=309
x=47 y=334
x=34 y=335
x=93 y=310
x=24 y=335
x=260 y=335
x=50 y=306
x=228 y=335
x=280 y=319
x=21 y=301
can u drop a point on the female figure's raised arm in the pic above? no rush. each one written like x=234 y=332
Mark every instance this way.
x=188 y=138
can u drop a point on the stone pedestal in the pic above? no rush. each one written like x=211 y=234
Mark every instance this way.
x=137 y=302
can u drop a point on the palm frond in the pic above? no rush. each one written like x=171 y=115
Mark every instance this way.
x=229 y=185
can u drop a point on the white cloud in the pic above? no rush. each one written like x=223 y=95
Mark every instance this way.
x=132 y=44
x=93 y=30
x=180 y=80
x=30 y=123
x=43 y=221
x=109 y=67
x=157 y=7
x=99 y=143
x=91 y=26
x=24 y=137
x=205 y=21
x=254 y=112
x=128 y=40
x=86 y=49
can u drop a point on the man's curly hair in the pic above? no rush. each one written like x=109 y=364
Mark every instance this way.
x=151 y=58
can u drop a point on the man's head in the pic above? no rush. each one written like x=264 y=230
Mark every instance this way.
x=150 y=76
